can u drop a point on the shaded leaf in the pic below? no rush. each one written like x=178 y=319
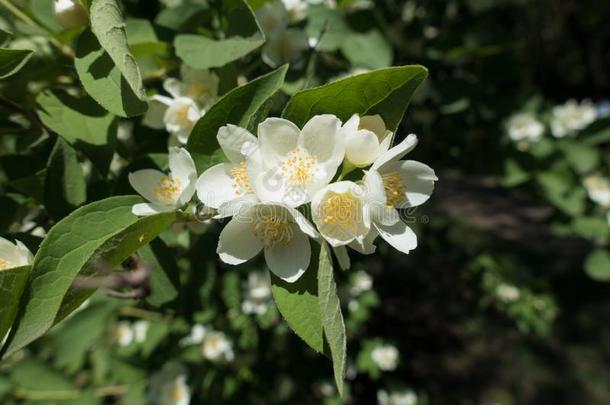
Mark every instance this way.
x=11 y=60
x=81 y=122
x=65 y=187
x=332 y=318
x=12 y=282
x=103 y=80
x=597 y=265
x=368 y=50
x=164 y=278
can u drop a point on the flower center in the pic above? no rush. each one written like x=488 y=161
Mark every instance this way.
x=272 y=229
x=5 y=264
x=196 y=90
x=394 y=188
x=168 y=189
x=239 y=174
x=299 y=167
x=182 y=115
x=340 y=209
x=178 y=392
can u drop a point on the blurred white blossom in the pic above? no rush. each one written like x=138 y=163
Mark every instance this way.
x=524 y=127
x=124 y=334
x=507 y=293
x=217 y=347
x=598 y=188
x=195 y=337
x=70 y=13
x=385 y=357
x=140 y=330
x=14 y=254
x=258 y=293
x=406 y=397
x=361 y=282
x=169 y=386
x=571 y=117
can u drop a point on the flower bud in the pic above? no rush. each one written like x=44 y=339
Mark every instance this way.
x=70 y=13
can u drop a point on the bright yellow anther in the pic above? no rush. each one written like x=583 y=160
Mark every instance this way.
x=394 y=188
x=4 y=264
x=299 y=167
x=168 y=190
x=239 y=174
x=272 y=227
x=340 y=209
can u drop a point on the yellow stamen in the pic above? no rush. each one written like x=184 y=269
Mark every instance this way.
x=299 y=167
x=196 y=90
x=239 y=174
x=5 y=264
x=272 y=227
x=394 y=188
x=340 y=209
x=168 y=189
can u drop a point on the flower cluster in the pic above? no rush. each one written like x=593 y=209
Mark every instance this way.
x=215 y=345
x=128 y=333
x=189 y=99
x=258 y=294
x=385 y=357
x=598 y=189
x=278 y=184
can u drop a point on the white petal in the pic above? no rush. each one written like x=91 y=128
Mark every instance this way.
x=145 y=209
x=321 y=136
x=399 y=236
x=278 y=137
x=376 y=201
x=166 y=101
x=237 y=243
x=154 y=116
x=237 y=143
x=271 y=187
x=365 y=245
x=418 y=178
x=397 y=152
x=373 y=123
x=237 y=207
x=361 y=148
x=25 y=256
x=289 y=261
x=303 y=223
x=181 y=165
x=215 y=185
x=8 y=252
x=145 y=181
x=173 y=86
x=351 y=125
x=342 y=257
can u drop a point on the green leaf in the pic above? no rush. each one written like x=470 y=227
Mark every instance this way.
x=81 y=122
x=103 y=80
x=238 y=107
x=12 y=282
x=108 y=26
x=386 y=92
x=11 y=60
x=597 y=265
x=368 y=50
x=332 y=319
x=102 y=232
x=65 y=187
x=583 y=158
x=243 y=36
x=299 y=304
x=164 y=278
x=331 y=23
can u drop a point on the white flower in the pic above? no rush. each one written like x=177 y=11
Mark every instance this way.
x=140 y=330
x=272 y=17
x=598 y=188
x=70 y=13
x=393 y=184
x=258 y=293
x=169 y=386
x=165 y=192
x=524 y=127
x=297 y=9
x=195 y=337
x=217 y=347
x=14 y=255
x=226 y=182
x=281 y=232
x=340 y=212
x=407 y=397
x=190 y=98
x=385 y=357
x=295 y=164
x=366 y=138
x=283 y=47
x=361 y=282
x=571 y=117
x=507 y=293
x=124 y=334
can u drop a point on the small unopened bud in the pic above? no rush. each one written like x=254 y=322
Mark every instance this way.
x=70 y=13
